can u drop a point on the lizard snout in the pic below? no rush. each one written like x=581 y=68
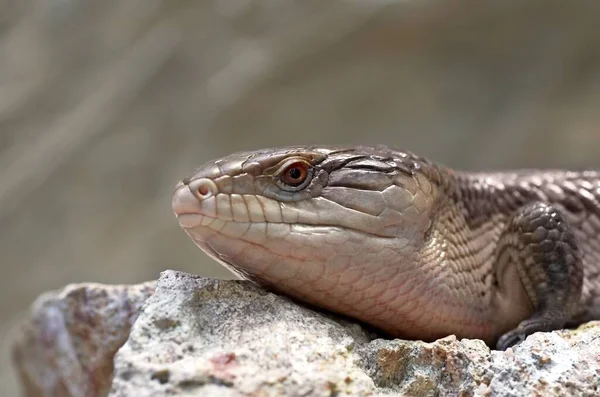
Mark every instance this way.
x=194 y=200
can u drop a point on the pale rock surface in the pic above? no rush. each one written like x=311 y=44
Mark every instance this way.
x=203 y=337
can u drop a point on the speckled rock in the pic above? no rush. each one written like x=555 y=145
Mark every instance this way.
x=546 y=364
x=66 y=348
x=199 y=336
x=196 y=336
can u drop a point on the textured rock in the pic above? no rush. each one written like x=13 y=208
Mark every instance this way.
x=204 y=337
x=198 y=336
x=212 y=337
x=68 y=345
x=558 y=363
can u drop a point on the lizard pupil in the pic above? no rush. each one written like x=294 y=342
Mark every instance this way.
x=295 y=173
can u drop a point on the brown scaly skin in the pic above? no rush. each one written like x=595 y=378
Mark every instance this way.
x=413 y=248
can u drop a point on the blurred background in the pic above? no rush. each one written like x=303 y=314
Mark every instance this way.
x=104 y=105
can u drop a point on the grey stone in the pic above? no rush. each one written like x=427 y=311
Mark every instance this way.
x=197 y=336
x=200 y=336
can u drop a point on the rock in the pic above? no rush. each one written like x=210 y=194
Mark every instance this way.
x=198 y=336
x=547 y=364
x=204 y=337
x=67 y=346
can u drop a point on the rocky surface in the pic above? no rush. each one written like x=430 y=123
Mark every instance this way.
x=67 y=346
x=198 y=336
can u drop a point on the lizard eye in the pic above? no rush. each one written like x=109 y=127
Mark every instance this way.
x=295 y=174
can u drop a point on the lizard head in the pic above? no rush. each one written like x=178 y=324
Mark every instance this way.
x=312 y=222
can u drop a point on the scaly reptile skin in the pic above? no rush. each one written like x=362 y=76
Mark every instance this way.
x=413 y=248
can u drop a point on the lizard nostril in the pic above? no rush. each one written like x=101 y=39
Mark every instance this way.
x=203 y=188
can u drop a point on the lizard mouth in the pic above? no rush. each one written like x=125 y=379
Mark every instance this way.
x=196 y=206
x=190 y=220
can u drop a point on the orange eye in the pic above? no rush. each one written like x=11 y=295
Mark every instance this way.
x=295 y=174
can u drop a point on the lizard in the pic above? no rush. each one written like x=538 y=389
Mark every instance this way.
x=415 y=249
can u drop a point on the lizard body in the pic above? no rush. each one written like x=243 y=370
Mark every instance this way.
x=415 y=249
